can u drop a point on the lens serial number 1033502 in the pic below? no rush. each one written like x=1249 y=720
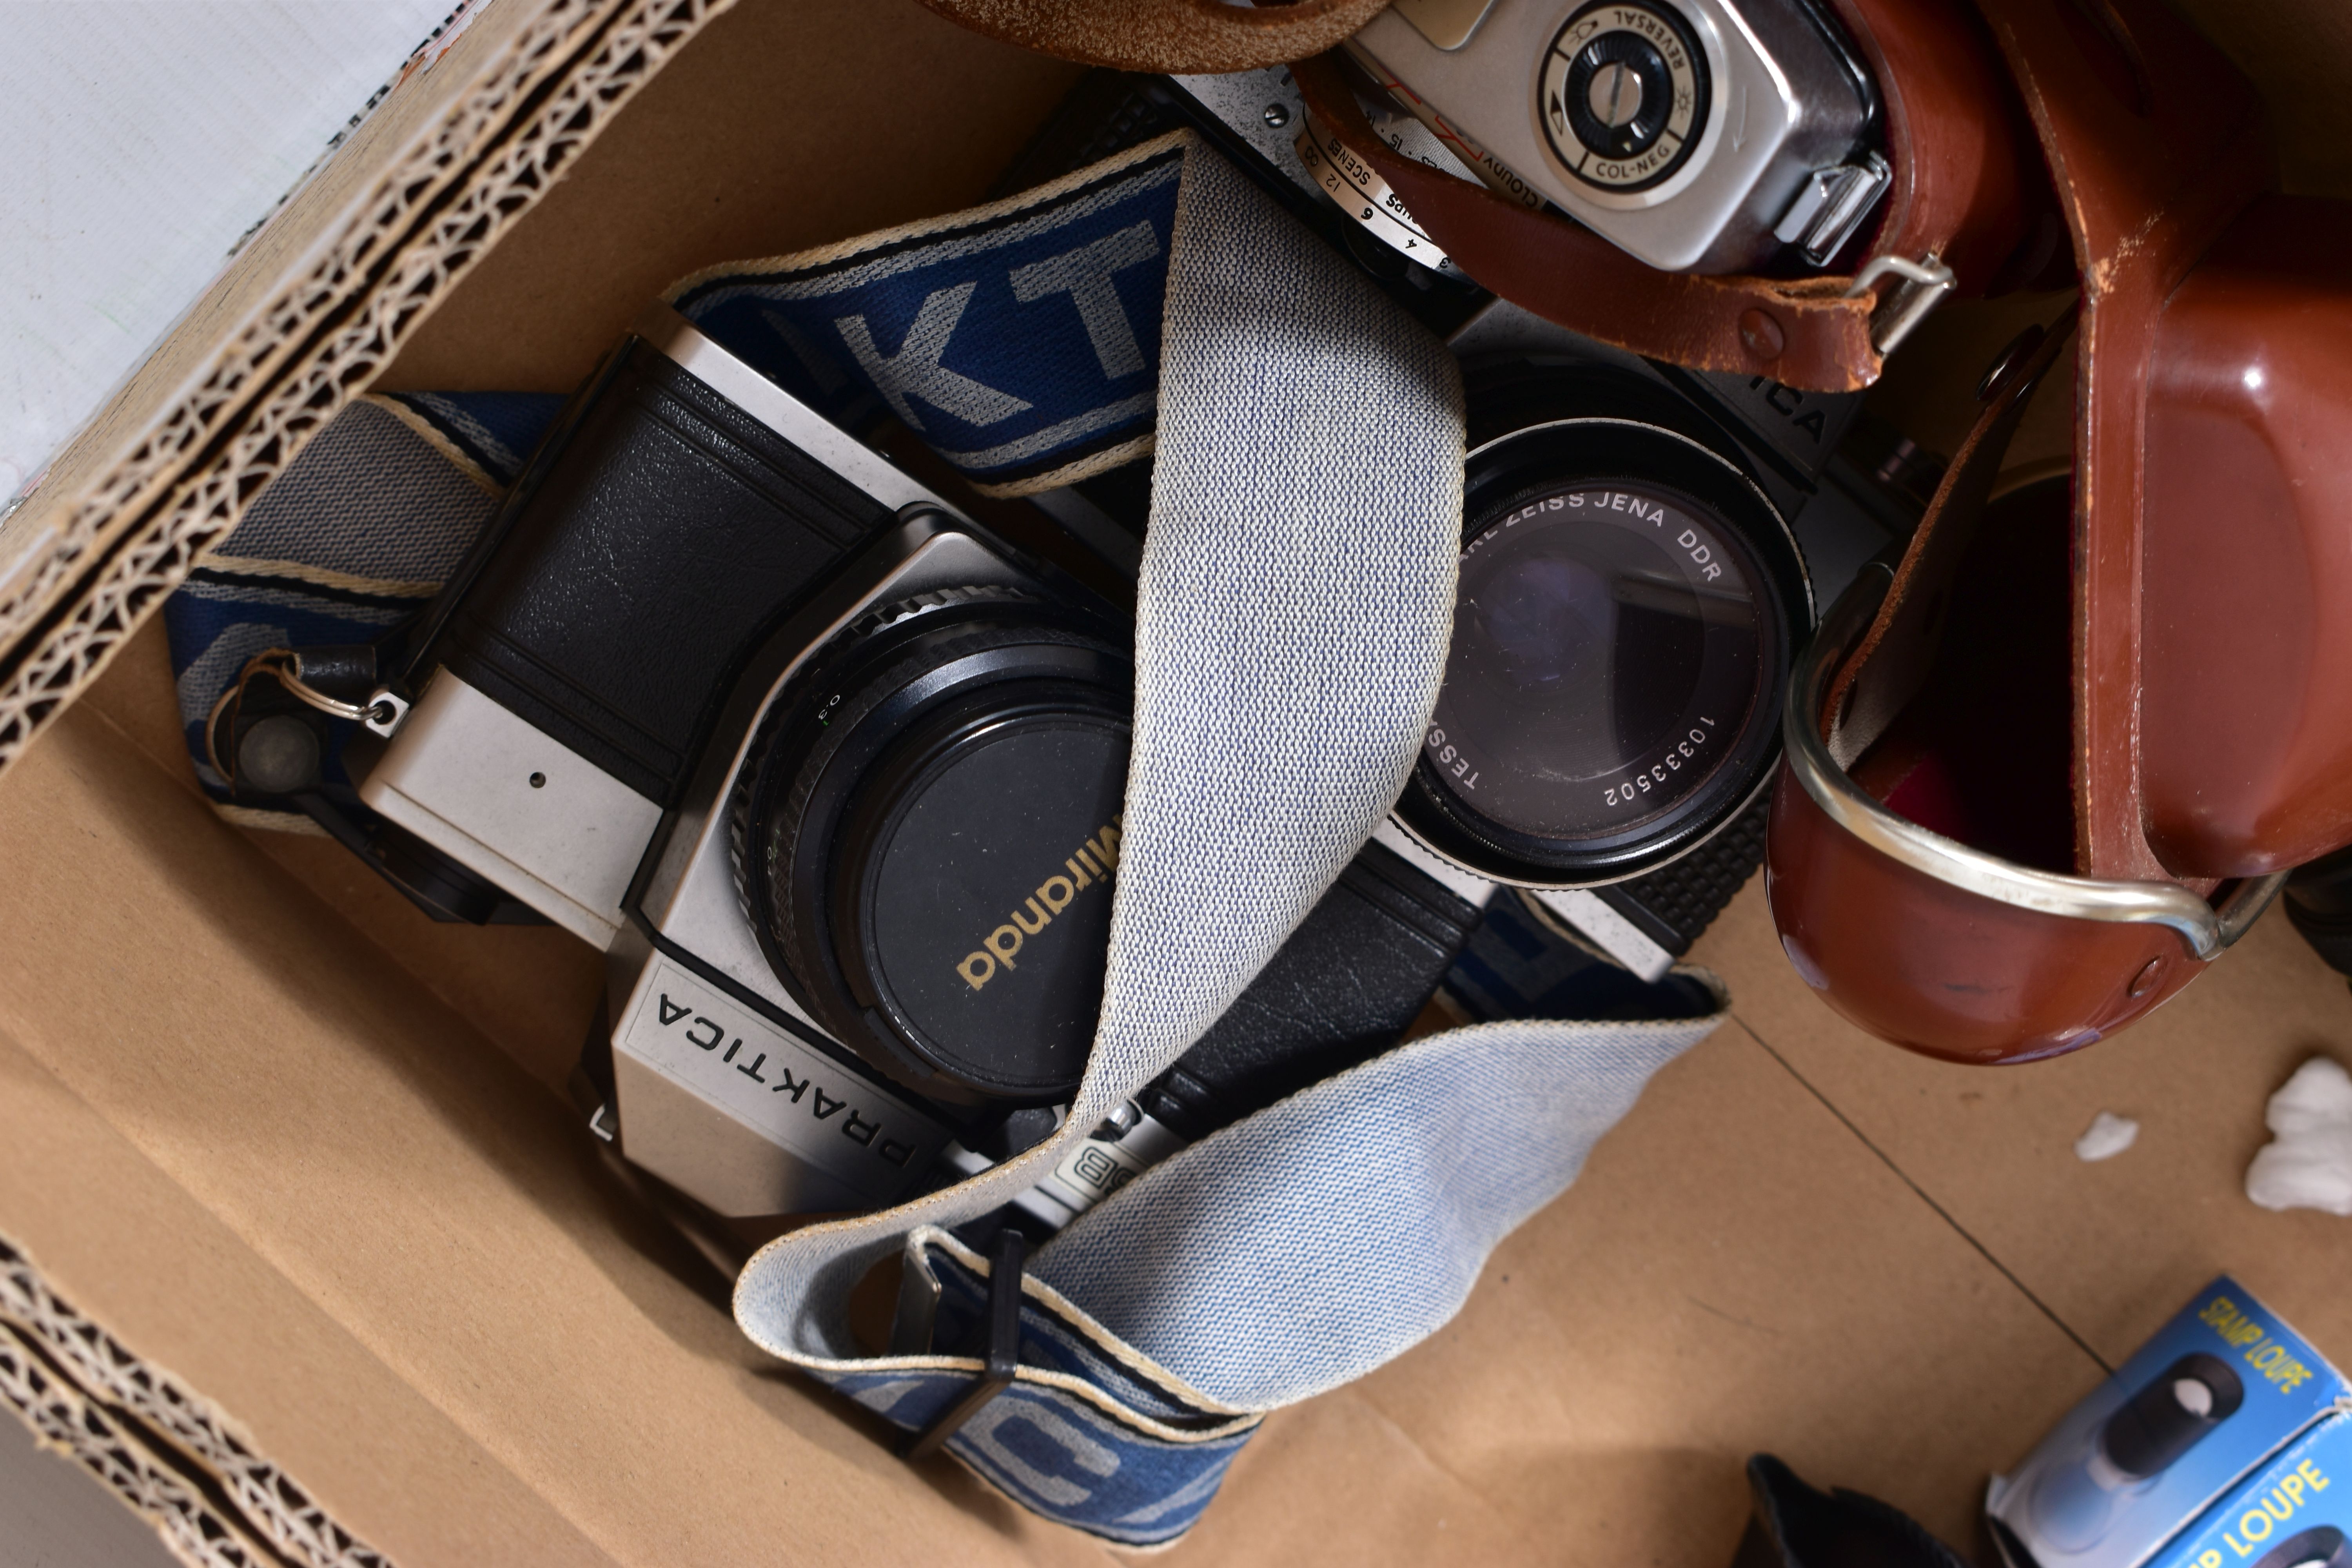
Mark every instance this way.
x=1443 y=753
x=1659 y=772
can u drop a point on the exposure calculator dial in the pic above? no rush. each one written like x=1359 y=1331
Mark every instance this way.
x=1623 y=95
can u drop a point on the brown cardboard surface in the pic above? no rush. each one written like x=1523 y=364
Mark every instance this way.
x=113 y=1233
x=363 y=1143
x=2112 y=1248
x=785 y=124
x=298 y=1143
x=1734 y=1271
x=532 y=989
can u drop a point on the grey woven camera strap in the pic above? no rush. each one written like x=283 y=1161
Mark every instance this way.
x=1294 y=604
x=1295 y=600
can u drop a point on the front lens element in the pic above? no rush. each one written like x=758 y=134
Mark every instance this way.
x=1610 y=646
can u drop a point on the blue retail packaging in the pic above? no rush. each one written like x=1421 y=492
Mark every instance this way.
x=2187 y=1426
x=2295 y=1512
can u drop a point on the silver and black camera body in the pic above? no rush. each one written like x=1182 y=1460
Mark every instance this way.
x=833 y=775
x=1697 y=135
x=710 y=638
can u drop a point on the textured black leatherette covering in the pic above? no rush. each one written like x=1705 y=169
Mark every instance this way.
x=1342 y=990
x=664 y=536
x=1674 y=905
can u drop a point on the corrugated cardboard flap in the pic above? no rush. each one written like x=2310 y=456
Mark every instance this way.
x=298 y=324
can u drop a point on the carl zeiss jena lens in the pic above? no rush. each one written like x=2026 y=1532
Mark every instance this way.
x=1606 y=646
x=1622 y=629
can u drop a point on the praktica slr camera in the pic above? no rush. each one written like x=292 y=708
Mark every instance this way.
x=834 y=775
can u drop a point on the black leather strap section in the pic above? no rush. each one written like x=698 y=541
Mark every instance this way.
x=665 y=532
x=2319 y=902
x=1343 y=989
x=1795 y=1526
x=1000 y=1354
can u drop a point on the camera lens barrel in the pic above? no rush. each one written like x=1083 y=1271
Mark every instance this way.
x=927 y=833
x=1628 y=605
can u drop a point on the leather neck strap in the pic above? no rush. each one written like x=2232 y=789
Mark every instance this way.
x=1805 y=334
x=1178 y=36
x=1962 y=176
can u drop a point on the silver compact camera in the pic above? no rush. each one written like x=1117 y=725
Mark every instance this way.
x=1697 y=135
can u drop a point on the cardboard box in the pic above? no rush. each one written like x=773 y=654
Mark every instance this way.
x=306 y=1247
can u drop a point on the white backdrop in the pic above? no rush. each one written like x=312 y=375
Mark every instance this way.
x=139 y=142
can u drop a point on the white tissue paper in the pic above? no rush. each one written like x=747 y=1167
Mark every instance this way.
x=2107 y=1136
x=2307 y=1164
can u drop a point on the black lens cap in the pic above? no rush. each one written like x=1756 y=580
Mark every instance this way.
x=928 y=832
x=973 y=889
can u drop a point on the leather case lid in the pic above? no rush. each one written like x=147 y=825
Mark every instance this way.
x=2156 y=142
x=2245 y=707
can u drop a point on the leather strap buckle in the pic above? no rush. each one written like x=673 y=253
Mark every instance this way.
x=1000 y=1358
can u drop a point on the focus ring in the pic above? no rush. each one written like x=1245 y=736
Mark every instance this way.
x=826 y=660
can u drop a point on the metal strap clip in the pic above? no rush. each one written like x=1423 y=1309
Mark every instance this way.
x=1924 y=284
x=381 y=712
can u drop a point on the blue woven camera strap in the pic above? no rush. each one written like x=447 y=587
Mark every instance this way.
x=1023 y=337
x=1296 y=598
